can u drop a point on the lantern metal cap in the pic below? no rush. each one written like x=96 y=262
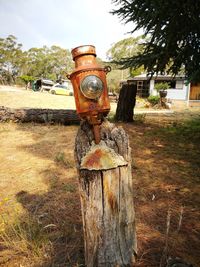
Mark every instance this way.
x=83 y=50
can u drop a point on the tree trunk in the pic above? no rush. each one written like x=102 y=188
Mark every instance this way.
x=107 y=201
x=126 y=103
x=62 y=116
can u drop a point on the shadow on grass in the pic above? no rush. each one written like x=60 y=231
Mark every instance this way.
x=166 y=180
x=166 y=163
x=58 y=216
x=49 y=231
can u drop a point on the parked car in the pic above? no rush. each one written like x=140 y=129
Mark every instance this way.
x=42 y=85
x=62 y=89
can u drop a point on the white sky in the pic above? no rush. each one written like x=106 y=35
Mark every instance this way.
x=67 y=23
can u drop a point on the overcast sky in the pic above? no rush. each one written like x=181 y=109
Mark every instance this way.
x=67 y=23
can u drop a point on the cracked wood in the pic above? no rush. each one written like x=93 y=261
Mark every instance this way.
x=107 y=202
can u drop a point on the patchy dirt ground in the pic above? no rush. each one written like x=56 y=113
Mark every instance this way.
x=38 y=196
x=40 y=218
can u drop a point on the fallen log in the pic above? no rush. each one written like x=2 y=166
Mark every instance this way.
x=39 y=115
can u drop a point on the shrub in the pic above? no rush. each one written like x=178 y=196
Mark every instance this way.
x=153 y=100
x=161 y=86
x=26 y=78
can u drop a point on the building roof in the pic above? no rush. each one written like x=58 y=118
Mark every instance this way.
x=159 y=77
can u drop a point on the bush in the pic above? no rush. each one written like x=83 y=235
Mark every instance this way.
x=153 y=100
x=26 y=78
x=161 y=86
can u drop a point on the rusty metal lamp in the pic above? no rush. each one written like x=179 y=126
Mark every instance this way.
x=92 y=104
x=90 y=87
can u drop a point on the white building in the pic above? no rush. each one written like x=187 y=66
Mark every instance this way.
x=179 y=89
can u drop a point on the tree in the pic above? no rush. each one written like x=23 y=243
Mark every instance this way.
x=115 y=77
x=10 y=58
x=48 y=62
x=52 y=63
x=125 y=48
x=122 y=49
x=173 y=29
x=128 y=47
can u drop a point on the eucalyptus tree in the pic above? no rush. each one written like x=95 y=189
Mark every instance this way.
x=11 y=56
x=124 y=49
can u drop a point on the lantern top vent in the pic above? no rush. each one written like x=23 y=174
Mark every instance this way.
x=83 y=50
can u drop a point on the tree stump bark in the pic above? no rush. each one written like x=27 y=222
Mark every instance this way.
x=126 y=103
x=62 y=116
x=107 y=201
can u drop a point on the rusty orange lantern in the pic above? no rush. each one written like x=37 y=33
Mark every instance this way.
x=90 y=87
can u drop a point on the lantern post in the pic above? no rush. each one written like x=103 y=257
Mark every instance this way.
x=103 y=159
x=90 y=88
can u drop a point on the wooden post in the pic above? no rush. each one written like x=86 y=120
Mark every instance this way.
x=107 y=201
x=126 y=102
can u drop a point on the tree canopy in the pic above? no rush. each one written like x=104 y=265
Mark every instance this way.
x=173 y=30
x=125 y=48
x=45 y=62
x=10 y=57
x=122 y=49
x=128 y=47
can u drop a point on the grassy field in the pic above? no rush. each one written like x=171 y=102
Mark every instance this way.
x=21 y=98
x=40 y=217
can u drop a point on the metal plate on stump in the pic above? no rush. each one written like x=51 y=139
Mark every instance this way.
x=101 y=157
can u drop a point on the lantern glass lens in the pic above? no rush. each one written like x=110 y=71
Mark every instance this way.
x=92 y=87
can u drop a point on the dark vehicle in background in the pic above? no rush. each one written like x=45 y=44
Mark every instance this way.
x=42 y=85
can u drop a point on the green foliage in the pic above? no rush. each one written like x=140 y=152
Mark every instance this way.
x=51 y=63
x=161 y=86
x=124 y=49
x=135 y=72
x=174 y=35
x=114 y=77
x=11 y=59
x=47 y=62
x=186 y=131
x=26 y=78
x=153 y=100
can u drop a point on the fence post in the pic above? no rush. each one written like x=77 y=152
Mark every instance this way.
x=106 y=199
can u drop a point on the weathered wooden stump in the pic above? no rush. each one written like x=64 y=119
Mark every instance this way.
x=126 y=103
x=107 y=201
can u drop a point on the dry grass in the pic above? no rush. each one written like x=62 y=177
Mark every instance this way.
x=166 y=171
x=40 y=218
x=26 y=98
x=21 y=98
